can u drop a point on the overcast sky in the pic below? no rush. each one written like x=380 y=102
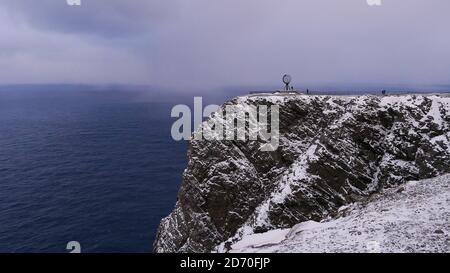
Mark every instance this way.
x=202 y=44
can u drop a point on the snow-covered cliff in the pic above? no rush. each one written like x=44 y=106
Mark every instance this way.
x=410 y=218
x=333 y=151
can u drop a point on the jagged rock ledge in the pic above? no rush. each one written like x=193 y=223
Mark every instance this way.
x=334 y=150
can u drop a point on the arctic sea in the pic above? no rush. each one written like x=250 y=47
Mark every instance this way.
x=99 y=168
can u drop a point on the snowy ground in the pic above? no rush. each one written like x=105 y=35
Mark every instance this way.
x=414 y=217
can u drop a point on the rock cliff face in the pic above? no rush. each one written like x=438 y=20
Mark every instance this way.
x=333 y=150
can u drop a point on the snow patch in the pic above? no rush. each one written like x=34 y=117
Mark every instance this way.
x=414 y=217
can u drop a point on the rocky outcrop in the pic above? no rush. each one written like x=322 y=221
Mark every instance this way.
x=333 y=150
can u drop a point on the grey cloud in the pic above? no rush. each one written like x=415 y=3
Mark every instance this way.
x=109 y=18
x=210 y=44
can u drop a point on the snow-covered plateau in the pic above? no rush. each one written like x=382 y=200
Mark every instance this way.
x=414 y=217
x=337 y=182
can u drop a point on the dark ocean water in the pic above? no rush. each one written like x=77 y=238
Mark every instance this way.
x=95 y=167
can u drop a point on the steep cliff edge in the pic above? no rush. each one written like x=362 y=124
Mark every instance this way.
x=333 y=150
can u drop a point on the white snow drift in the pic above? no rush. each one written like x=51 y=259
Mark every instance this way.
x=414 y=217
